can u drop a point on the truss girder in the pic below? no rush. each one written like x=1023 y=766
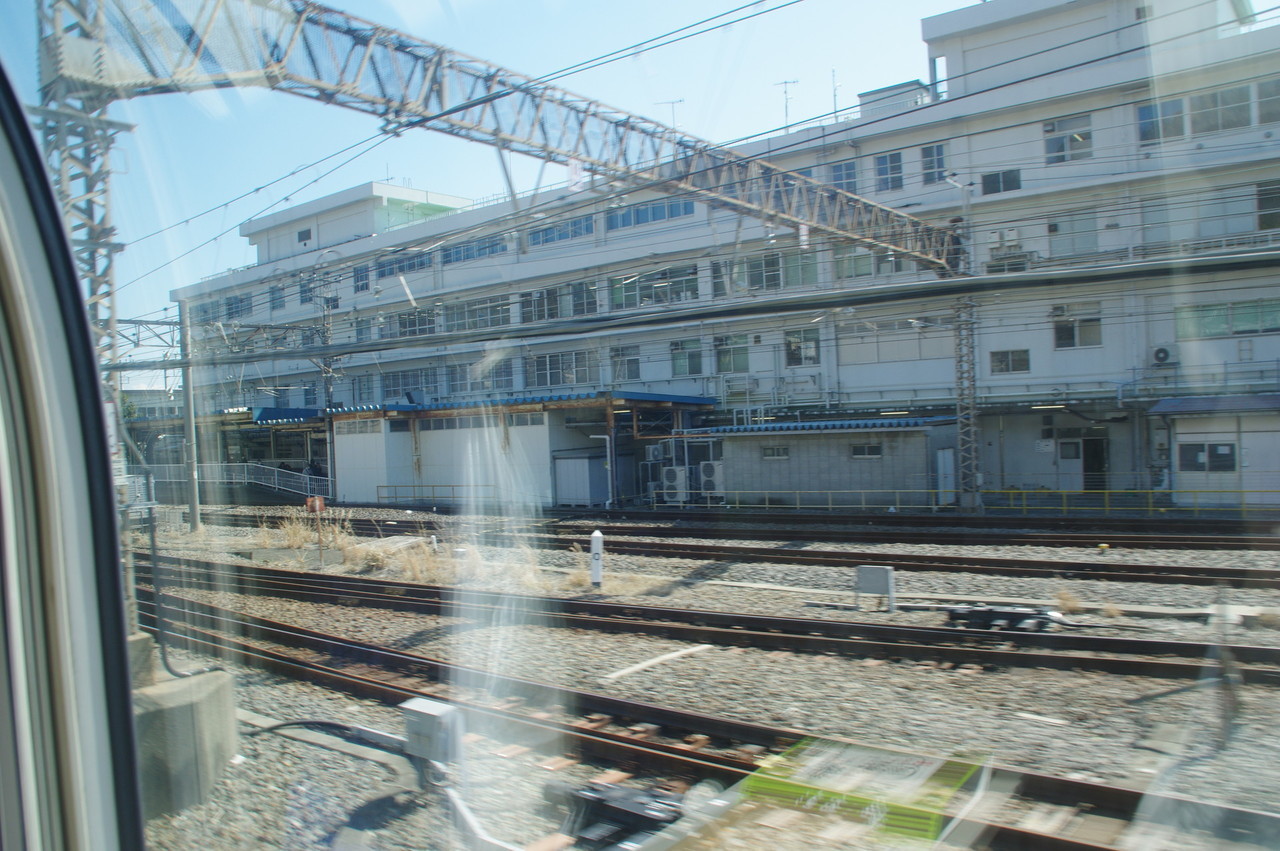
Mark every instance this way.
x=316 y=52
x=967 y=443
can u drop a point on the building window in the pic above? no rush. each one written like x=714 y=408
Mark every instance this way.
x=539 y=305
x=572 y=229
x=865 y=450
x=775 y=453
x=306 y=291
x=360 y=277
x=852 y=262
x=362 y=388
x=1077 y=325
x=1068 y=139
x=478 y=313
x=1207 y=457
x=686 y=357
x=933 y=163
x=237 y=306
x=304 y=235
x=1001 y=181
x=801 y=346
x=1269 y=205
x=625 y=363
x=309 y=397
x=1269 y=101
x=561 y=368
x=577 y=299
x=275 y=297
x=647 y=213
x=1227 y=212
x=844 y=176
x=731 y=353
x=1155 y=221
x=413 y=323
x=1073 y=233
x=1224 y=109
x=402 y=264
x=1159 y=120
x=474 y=249
x=479 y=377
x=489 y=375
x=1011 y=360
x=419 y=382
x=1260 y=316
x=889 y=171
x=364 y=329
x=764 y=273
x=679 y=283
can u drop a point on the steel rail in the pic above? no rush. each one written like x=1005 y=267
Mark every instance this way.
x=1122 y=801
x=1236 y=577
x=1115 y=572
x=1140 y=657
x=1169 y=522
x=966 y=537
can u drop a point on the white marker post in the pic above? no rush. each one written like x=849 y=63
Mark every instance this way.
x=597 y=558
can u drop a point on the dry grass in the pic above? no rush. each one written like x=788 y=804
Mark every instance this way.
x=1270 y=619
x=1068 y=603
x=296 y=533
x=1111 y=610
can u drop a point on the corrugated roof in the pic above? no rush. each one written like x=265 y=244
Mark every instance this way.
x=1218 y=404
x=285 y=415
x=527 y=400
x=879 y=424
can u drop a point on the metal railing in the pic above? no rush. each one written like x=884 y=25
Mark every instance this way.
x=239 y=474
x=1017 y=501
x=453 y=495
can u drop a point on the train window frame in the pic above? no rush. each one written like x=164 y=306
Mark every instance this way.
x=68 y=760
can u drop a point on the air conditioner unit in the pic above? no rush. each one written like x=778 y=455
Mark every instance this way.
x=1006 y=241
x=711 y=474
x=653 y=453
x=1164 y=355
x=675 y=484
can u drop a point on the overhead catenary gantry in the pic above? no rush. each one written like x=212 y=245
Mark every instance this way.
x=94 y=52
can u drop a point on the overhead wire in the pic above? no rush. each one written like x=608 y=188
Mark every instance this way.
x=490 y=222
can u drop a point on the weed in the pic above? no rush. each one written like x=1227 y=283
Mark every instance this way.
x=1068 y=603
x=1111 y=610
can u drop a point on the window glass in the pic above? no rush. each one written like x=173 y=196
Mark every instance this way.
x=458 y=268
x=1068 y=139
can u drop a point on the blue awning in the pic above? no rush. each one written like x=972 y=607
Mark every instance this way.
x=1230 y=404
x=603 y=396
x=285 y=415
x=880 y=424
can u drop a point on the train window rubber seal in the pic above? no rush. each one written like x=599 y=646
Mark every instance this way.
x=27 y=203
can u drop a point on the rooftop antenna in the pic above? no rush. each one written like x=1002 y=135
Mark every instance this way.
x=672 y=104
x=786 y=101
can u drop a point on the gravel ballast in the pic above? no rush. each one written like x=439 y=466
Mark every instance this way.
x=1069 y=723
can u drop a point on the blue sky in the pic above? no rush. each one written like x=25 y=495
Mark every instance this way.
x=189 y=153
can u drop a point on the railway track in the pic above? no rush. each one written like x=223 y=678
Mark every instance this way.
x=1162 y=523
x=961 y=537
x=788 y=554
x=672 y=741
x=501 y=535
x=1064 y=651
x=767 y=526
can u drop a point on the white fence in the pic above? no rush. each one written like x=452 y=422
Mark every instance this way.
x=239 y=474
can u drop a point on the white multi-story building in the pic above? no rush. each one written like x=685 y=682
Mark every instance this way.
x=1118 y=198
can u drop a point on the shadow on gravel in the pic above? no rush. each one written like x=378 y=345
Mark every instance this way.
x=706 y=573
